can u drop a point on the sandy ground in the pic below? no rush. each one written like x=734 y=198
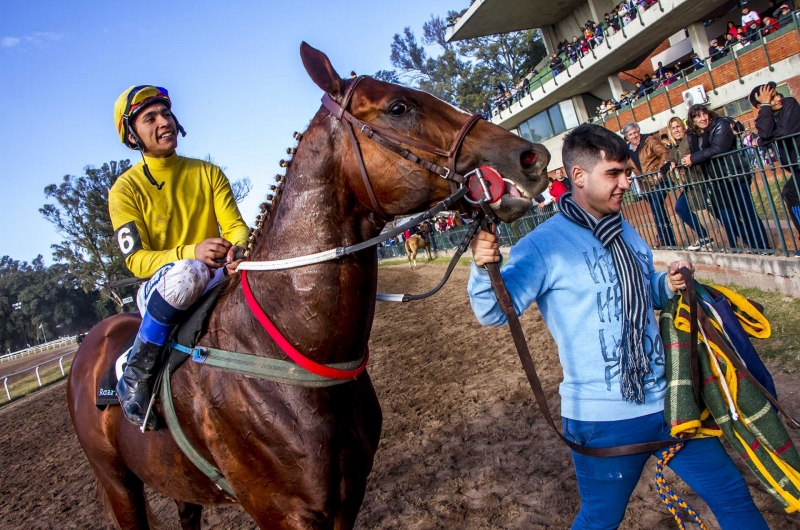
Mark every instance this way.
x=463 y=445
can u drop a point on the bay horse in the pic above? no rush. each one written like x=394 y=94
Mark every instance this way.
x=296 y=457
x=413 y=245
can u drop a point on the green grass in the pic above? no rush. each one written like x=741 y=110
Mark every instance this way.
x=422 y=261
x=20 y=387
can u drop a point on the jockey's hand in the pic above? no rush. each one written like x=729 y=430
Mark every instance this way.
x=231 y=260
x=485 y=248
x=212 y=251
x=674 y=280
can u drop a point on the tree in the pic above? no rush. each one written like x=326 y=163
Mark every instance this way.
x=466 y=72
x=80 y=215
x=38 y=301
x=241 y=188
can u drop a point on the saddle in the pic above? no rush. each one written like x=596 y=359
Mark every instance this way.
x=187 y=332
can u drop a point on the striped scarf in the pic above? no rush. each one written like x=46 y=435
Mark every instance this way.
x=634 y=364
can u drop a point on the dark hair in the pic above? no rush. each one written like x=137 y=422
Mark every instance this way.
x=664 y=137
x=694 y=111
x=585 y=145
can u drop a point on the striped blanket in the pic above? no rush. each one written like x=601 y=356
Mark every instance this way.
x=732 y=405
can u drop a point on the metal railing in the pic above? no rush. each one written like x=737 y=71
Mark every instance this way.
x=732 y=203
x=58 y=343
x=49 y=377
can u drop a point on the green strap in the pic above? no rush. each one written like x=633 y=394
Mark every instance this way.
x=262 y=367
x=177 y=433
x=243 y=363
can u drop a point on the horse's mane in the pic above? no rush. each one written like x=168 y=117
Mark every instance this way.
x=270 y=205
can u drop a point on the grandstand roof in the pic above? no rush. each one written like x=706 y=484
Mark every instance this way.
x=489 y=17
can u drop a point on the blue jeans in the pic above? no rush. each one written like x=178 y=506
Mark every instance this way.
x=689 y=217
x=733 y=206
x=606 y=484
x=656 y=201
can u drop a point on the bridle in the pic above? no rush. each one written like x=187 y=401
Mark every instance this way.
x=392 y=141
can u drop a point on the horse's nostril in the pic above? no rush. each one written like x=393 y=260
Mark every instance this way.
x=528 y=158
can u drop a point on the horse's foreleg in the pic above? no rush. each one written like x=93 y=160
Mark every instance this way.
x=190 y=515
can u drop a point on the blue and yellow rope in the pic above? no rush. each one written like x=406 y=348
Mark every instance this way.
x=668 y=495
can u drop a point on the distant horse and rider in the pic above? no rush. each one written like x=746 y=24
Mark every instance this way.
x=296 y=456
x=413 y=245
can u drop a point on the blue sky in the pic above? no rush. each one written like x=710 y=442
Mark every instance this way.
x=232 y=69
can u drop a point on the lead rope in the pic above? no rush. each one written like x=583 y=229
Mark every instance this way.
x=668 y=495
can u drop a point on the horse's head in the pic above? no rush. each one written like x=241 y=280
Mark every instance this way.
x=416 y=121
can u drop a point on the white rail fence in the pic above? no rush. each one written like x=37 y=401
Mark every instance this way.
x=52 y=345
x=60 y=361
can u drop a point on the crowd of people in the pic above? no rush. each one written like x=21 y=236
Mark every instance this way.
x=714 y=174
x=753 y=27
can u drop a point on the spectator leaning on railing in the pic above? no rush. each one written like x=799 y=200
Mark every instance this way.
x=779 y=117
x=729 y=177
x=649 y=155
x=691 y=199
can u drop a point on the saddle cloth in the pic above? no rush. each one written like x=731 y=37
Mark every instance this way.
x=187 y=332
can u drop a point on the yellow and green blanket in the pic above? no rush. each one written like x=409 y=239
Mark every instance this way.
x=732 y=405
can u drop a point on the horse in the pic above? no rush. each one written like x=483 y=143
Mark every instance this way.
x=297 y=457
x=413 y=245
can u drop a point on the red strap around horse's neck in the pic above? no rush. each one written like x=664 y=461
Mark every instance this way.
x=301 y=360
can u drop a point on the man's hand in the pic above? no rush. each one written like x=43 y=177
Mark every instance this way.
x=232 y=261
x=686 y=160
x=485 y=248
x=674 y=279
x=211 y=249
x=765 y=94
x=542 y=205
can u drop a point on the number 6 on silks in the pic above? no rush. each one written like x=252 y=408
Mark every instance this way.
x=128 y=239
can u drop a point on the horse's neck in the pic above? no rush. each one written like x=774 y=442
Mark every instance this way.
x=326 y=309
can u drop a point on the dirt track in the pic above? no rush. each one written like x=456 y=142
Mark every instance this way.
x=463 y=447
x=21 y=363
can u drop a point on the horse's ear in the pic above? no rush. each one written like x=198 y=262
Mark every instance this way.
x=321 y=71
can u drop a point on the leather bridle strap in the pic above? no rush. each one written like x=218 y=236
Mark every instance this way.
x=391 y=141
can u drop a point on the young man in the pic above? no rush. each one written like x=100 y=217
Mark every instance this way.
x=593 y=279
x=779 y=117
x=167 y=212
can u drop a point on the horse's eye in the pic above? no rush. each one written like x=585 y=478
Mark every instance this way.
x=398 y=108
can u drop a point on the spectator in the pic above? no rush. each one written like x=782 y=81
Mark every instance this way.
x=558 y=185
x=556 y=65
x=649 y=155
x=732 y=29
x=545 y=199
x=770 y=26
x=691 y=199
x=647 y=81
x=640 y=90
x=697 y=62
x=353 y=74
x=715 y=51
x=753 y=33
x=603 y=109
x=598 y=34
x=665 y=140
x=786 y=17
x=729 y=42
x=773 y=9
x=749 y=16
x=779 y=117
x=729 y=188
x=660 y=71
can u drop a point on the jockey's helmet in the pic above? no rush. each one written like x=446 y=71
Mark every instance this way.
x=134 y=100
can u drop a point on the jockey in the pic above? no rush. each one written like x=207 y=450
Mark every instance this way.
x=176 y=221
